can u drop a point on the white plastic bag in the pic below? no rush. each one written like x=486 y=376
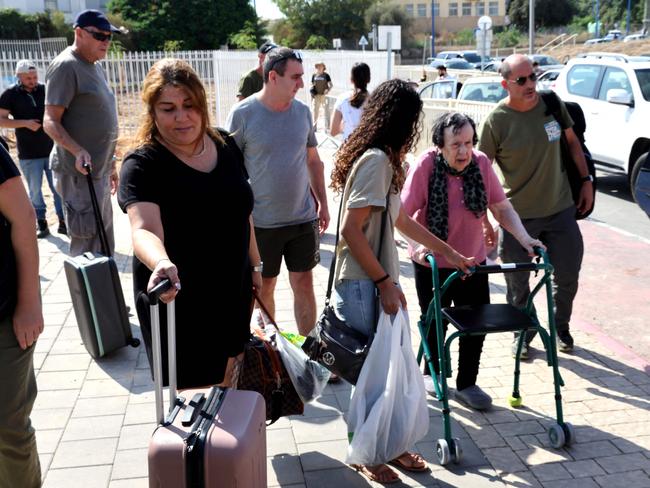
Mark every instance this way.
x=388 y=410
x=308 y=377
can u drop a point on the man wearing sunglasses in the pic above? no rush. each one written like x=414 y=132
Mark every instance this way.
x=276 y=135
x=523 y=138
x=81 y=118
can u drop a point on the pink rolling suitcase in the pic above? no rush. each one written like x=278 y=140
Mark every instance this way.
x=211 y=437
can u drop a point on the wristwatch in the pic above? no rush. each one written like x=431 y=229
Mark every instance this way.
x=258 y=268
x=584 y=179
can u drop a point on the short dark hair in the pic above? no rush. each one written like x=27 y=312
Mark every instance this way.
x=276 y=60
x=441 y=66
x=456 y=121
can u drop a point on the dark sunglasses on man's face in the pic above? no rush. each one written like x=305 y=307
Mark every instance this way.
x=292 y=55
x=521 y=81
x=98 y=36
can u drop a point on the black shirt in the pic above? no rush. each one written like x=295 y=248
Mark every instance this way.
x=8 y=279
x=28 y=105
x=206 y=231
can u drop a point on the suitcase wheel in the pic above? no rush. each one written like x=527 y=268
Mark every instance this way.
x=135 y=342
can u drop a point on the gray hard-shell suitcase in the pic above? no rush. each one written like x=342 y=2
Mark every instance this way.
x=97 y=297
x=211 y=437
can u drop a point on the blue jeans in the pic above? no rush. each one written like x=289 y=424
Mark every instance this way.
x=33 y=170
x=354 y=302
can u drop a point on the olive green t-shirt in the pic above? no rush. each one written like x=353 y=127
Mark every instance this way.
x=526 y=148
x=250 y=83
x=367 y=186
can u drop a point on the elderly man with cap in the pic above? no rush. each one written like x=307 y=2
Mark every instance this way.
x=321 y=84
x=253 y=81
x=25 y=102
x=81 y=118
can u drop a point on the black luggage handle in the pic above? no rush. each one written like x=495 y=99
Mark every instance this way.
x=101 y=230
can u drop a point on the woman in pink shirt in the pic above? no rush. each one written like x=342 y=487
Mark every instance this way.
x=448 y=190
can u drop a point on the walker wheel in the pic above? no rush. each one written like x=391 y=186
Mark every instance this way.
x=443 y=452
x=569 y=433
x=515 y=402
x=556 y=436
x=458 y=450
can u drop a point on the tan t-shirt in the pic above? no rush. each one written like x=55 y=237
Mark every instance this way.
x=367 y=186
x=526 y=148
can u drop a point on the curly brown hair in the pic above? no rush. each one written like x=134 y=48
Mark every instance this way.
x=390 y=122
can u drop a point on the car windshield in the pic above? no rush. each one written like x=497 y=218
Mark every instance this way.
x=643 y=75
x=483 y=92
x=546 y=60
x=472 y=57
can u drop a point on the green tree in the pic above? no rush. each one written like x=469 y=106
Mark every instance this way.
x=612 y=12
x=316 y=42
x=251 y=36
x=197 y=24
x=386 y=12
x=327 y=18
x=548 y=13
x=508 y=38
x=14 y=25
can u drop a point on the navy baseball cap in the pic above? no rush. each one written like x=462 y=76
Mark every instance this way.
x=266 y=47
x=94 y=18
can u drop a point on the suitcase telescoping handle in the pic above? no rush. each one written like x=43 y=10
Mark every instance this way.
x=154 y=297
x=101 y=230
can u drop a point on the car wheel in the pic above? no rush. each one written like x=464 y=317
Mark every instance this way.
x=634 y=174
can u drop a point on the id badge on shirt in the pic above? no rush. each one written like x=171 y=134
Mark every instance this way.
x=553 y=131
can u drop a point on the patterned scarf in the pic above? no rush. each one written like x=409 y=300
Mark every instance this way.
x=438 y=205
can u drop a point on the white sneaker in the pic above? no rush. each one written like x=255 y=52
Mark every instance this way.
x=428 y=384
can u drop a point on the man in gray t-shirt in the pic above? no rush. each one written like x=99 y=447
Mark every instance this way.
x=275 y=133
x=81 y=118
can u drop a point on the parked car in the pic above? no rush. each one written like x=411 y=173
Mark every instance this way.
x=614 y=93
x=471 y=57
x=483 y=89
x=591 y=42
x=613 y=35
x=546 y=80
x=440 y=89
x=452 y=63
x=635 y=37
x=545 y=61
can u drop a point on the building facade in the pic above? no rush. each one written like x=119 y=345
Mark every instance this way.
x=452 y=15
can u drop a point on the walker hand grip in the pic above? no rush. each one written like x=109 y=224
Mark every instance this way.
x=505 y=268
x=159 y=289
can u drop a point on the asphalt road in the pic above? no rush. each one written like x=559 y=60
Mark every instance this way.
x=616 y=208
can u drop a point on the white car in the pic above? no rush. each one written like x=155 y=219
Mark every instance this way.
x=614 y=93
x=546 y=81
x=635 y=37
x=483 y=89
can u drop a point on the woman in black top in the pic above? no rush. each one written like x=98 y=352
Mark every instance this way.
x=186 y=192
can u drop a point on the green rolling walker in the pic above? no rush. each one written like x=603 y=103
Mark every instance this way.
x=489 y=319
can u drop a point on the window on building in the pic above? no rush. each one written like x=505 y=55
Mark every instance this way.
x=436 y=9
x=409 y=9
x=422 y=9
x=453 y=9
x=467 y=8
x=480 y=9
x=493 y=8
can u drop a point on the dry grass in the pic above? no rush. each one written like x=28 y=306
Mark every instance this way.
x=636 y=48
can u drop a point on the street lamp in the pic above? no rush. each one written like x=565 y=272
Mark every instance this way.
x=531 y=27
x=433 y=27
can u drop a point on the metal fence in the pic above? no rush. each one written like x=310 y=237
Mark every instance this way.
x=22 y=46
x=220 y=72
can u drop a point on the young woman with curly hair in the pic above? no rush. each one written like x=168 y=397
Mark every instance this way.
x=368 y=172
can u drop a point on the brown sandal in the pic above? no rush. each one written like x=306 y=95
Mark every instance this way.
x=376 y=477
x=410 y=462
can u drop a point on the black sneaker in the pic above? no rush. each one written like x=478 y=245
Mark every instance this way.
x=41 y=228
x=63 y=229
x=564 y=341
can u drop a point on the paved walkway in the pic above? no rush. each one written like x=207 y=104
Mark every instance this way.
x=94 y=418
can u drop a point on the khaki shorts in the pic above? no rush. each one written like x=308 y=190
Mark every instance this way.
x=298 y=244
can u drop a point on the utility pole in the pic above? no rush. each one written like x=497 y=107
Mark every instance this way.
x=531 y=27
x=597 y=15
x=646 y=17
x=627 y=21
x=433 y=27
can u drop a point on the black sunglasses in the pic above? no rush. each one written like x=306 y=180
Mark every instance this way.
x=98 y=36
x=292 y=55
x=521 y=81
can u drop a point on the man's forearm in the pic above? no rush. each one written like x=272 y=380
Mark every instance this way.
x=60 y=136
x=316 y=170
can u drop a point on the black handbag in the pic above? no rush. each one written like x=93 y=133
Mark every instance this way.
x=335 y=345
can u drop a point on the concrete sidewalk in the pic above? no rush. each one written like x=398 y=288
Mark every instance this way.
x=94 y=418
